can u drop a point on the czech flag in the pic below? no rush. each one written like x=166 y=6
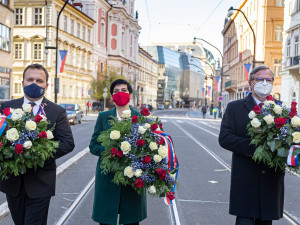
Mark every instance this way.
x=209 y=91
x=217 y=83
x=62 y=55
x=247 y=68
x=293 y=160
x=203 y=92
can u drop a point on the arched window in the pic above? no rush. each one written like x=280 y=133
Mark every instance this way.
x=294 y=97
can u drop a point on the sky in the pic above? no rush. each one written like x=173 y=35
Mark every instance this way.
x=169 y=21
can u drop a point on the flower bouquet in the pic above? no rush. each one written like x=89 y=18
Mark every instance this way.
x=25 y=141
x=140 y=154
x=274 y=130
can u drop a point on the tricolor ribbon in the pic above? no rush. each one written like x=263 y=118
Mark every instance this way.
x=41 y=110
x=293 y=160
x=3 y=123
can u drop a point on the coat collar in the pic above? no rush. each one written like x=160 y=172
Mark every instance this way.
x=113 y=112
x=249 y=102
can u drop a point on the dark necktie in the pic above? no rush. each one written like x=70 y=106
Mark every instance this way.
x=32 y=104
x=261 y=104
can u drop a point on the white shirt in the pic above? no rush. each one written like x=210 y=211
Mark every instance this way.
x=35 y=108
x=256 y=100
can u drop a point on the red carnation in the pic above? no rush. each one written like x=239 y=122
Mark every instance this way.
x=257 y=109
x=145 y=112
x=160 y=125
x=43 y=134
x=170 y=195
x=0 y=144
x=140 y=142
x=139 y=183
x=153 y=127
x=113 y=152
x=279 y=122
x=134 y=119
x=161 y=173
x=270 y=98
x=120 y=153
x=19 y=149
x=6 y=111
x=160 y=141
x=294 y=104
x=293 y=112
x=38 y=118
x=146 y=159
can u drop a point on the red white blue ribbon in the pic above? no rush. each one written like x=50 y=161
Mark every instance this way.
x=41 y=110
x=293 y=160
x=3 y=123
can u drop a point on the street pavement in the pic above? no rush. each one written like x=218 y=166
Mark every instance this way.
x=203 y=184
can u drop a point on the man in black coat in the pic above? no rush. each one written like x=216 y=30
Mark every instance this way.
x=256 y=192
x=28 y=195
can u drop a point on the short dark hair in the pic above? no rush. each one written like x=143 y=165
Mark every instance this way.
x=117 y=82
x=259 y=68
x=38 y=67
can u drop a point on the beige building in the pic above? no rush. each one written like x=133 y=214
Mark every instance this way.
x=6 y=51
x=35 y=28
x=147 y=79
x=266 y=19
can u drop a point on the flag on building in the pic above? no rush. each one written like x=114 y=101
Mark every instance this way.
x=203 y=92
x=62 y=55
x=209 y=91
x=217 y=83
x=247 y=68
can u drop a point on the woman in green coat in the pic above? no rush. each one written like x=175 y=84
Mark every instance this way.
x=111 y=199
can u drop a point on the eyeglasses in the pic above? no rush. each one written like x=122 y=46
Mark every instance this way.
x=261 y=80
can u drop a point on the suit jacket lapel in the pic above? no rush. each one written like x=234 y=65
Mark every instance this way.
x=249 y=102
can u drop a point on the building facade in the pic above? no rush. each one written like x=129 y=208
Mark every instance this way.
x=266 y=20
x=6 y=51
x=35 y=29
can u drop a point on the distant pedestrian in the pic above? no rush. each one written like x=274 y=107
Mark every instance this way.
x=204 y=109
x=99 y=106
x=87 y=107
x=94 y=106
x=215 y=112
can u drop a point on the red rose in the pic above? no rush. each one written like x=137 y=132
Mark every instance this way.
x=19 y=149
x=161 y=173
x=134 y=119
x=120 y=153
x=293 y=112
x=6 y=111
x=161 y=141
x=170 y=195
x=270 y=98
x=0 y=144
x=153 y=127
x=145 y=112
x=294 y=104
x=160 y=125
x=139 y=183
x=257 y=109
x=279 y=122
x=38 y=118
x=43 y=134
x=146 y=159
x=113 y=152
x=140 y=142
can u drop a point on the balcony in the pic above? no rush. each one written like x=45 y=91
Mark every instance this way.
x=231 y=86
x=293 y=65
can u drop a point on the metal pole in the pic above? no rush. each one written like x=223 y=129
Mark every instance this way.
x=57 y=27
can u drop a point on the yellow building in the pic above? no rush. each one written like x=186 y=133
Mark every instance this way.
x=266 y=19
x=6 y=62
x=35 y=28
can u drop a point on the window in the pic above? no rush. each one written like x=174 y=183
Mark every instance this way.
x=82 y=60
x=65 y=23
x=5 y=39
x=37 y=16
x=288 y=48
x=71 y=91
x=280 y=3
x=17 y=88
x=78 y=30
x=296 y=46
x=72 y=27
x=37 y=51
x=277 y=67
x=18 y=51
x=102 y=38
x=19 y=16
x=64 y=90
x=83 y=33
x=88 y=63
x=4 y=2
x=294 y=97
x=278 y=32
x=71 y=57
x=89 y=36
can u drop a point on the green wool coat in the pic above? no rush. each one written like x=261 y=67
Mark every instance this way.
x=111 y=199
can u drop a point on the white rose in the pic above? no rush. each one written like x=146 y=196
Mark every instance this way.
x=268 y=103
x=44 y=117
x=152 y=189
x=128 y=172
x=255 y=123
x=277 y=109
x=26 y=107
x=30 y=125
x=141 y=130
x=15 y=117
x=126 y=114
x=12 y=134
x=295 y=121
x=153 y=146
x=296 y=137
x=115 y=134
x=19 y=111
x=147 y=125
x=49 y=134
x=157 y=158
x=138 y=172
x=163 y=151
x=251 y=114
x=125 y=147
x=27 y=144
x=269 y=119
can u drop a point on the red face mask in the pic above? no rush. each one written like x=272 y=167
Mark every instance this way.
x=121 y=98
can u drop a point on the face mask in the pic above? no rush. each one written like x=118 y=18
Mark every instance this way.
x=34 y=91
x=121 y=98
x=263 y=89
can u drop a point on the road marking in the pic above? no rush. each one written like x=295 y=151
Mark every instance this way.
x=216 y=135
x=201 y=201
x=220 y=170
x=213 y=181
x=164 y=121
x=179 y=121
x=206 y=124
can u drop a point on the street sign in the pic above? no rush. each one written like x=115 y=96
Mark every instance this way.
x=90 y=92
x=220 y=98
x=105 y=89
x=104 y=95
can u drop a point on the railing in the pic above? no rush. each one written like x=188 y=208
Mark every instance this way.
x=296 y=60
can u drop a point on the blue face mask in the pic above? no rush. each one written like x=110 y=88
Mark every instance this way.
x=34 y=91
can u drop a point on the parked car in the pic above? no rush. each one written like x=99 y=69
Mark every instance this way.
x=74 y=113
x=160 y=107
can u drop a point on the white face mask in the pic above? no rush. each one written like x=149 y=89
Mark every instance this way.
x=263 y=89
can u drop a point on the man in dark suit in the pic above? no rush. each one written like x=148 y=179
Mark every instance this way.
x=256 y=192
x=28 y=195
